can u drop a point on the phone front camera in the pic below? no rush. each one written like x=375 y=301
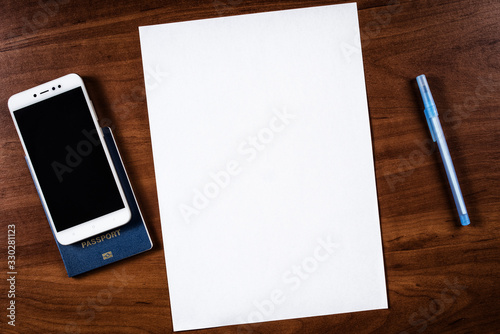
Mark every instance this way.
x=59 y=86
x=53 y=88
x=34 y=95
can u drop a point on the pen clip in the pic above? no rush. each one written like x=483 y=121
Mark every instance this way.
x=431 y=128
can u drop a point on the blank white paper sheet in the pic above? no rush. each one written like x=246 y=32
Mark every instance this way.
x=264 y=167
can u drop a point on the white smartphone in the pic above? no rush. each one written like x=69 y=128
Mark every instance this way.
x=68 y=159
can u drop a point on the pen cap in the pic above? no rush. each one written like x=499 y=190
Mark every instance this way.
x=430 y=106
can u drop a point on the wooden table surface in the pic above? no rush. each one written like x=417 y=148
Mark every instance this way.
x=441 y=277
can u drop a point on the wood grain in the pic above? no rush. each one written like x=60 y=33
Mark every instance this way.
x=441 y=278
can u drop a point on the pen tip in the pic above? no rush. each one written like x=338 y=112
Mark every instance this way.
x=464 y=220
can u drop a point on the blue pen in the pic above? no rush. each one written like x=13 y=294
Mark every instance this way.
x=437 y=134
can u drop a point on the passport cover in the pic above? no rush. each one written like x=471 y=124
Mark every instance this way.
x=116 y=244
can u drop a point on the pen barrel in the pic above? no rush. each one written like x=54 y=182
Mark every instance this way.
x=450 y=169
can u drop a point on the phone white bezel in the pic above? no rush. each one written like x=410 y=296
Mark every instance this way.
x=91 y=227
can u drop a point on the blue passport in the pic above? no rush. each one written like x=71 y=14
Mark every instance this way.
x=114 y=245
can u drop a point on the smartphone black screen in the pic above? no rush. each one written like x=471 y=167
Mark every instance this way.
x=68 y=159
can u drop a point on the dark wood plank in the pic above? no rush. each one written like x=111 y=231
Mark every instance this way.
x=441 y=278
